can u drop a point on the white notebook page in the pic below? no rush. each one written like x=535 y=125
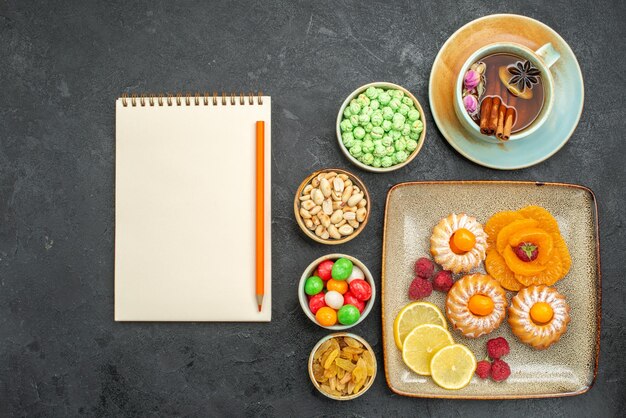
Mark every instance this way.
x=185 y=212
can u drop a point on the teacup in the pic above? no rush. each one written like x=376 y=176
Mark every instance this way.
x=542 y=59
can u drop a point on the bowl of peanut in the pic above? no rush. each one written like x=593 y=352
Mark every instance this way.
x=332 y=206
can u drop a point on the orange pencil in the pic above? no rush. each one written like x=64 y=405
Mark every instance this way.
x=260 y=212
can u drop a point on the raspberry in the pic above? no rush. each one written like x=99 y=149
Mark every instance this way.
x=483 y=369
x=526 y=251
x=500 y=370
x=443 y=281
x=497 y=347
x=420 y=288
x=424 y=268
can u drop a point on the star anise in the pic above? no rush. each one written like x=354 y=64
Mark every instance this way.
x=524 y=75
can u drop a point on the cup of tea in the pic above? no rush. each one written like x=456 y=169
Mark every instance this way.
x=505 y=91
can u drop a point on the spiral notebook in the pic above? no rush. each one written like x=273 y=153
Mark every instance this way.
x=185 y=208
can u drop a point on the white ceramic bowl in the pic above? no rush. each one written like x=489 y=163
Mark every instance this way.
x=367 y=385
x=308 y=272
x=354 y=94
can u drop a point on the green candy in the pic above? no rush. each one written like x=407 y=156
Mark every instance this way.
x=342 y=269
x=358 y=132
x=398 y=121
x=367 y=158
x=384 y=98
x=347 y=136
x=413 y=114
x=356 y=150
x=371 y=92
x=380 y=151
x=400 y=144
x=355 y=107
x=377 y=132
x=417 y=126
x=348 y=315
x=313 y=285
x=368 y=146
x=401 y=156
x=380 y=127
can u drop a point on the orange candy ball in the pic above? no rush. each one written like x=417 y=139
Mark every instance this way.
x=462 y=240
x=480 y=305
x=340 y=286
x=326 y=316
x=541 y=312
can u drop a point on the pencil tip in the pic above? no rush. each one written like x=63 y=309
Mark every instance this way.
x=260 y=308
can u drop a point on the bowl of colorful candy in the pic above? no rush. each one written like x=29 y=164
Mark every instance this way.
x=342 y=366
x=336 y=291
x=381 y=127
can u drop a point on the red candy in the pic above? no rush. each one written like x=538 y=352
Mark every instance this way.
x=324 y=270
x=316 y=302
x=350 y=299
x=361 y=289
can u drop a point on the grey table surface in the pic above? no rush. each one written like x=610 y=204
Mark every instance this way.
x=62 y=64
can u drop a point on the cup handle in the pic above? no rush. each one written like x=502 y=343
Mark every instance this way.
x=548 y=54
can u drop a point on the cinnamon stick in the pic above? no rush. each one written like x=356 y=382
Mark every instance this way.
x=493 y=117
x=509 y=120
x=501 y=115
x=485 y=111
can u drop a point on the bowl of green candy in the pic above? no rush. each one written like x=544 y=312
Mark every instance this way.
x=381 y=127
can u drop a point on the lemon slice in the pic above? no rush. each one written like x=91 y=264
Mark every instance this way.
x=453 y=366
x=413 y=315
x=421 y=345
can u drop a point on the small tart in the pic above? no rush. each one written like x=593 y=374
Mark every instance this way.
x=458 y=300
x=443 y=253
x=538 y=335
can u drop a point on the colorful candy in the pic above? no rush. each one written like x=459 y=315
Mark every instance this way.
x=342 y=269
x=340 y=286
x=326 y=316
x=313 y=285
x=316 y=302
x=350 y=299
x=361 y=289
x=337 y=292
x=348 y=315
x=357 y=273
x=333 y=299
x=324 y=270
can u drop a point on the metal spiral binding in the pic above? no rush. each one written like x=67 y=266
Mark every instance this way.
x=190 y=99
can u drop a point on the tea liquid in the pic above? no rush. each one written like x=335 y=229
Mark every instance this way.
x=527 y=110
